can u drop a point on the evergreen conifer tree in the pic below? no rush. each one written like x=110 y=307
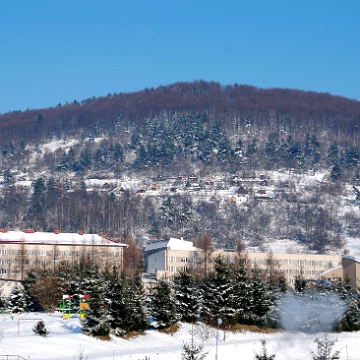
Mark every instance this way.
x=41 y=329
x=263 y=354
x=188 y=297
x=162 y=305
x=125 y=306
x=218 y=295
x=96 y=322
x=18 y=301
x=193 y=351
x=242 y=295
x=324 y=349
x=260 y=299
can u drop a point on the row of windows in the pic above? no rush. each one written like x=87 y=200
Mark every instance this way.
x=322 y=263
x=255 y=261
x=175 y=269
x=183 y=259
x=56 y=253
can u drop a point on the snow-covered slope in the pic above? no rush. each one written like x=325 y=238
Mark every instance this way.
x=65 y=342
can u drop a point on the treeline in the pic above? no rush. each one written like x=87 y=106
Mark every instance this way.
x=235 y=106
x=230 y=292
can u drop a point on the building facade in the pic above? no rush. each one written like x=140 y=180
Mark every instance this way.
x=22 y=251
x=164 y=258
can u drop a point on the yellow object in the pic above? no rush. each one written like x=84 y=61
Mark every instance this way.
x=66 y=316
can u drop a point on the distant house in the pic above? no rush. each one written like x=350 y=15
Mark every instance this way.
x=155 y=187
x=235 y=180
x=264 y=194
x=209 y=182
x=264 y=177
x=264 y=183
x=193 y=178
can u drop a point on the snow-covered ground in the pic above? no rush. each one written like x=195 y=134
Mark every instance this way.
x=66 y=341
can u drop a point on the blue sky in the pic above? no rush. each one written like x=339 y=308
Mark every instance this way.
x=58 y=51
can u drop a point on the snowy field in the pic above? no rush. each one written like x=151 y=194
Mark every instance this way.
x=66 y=341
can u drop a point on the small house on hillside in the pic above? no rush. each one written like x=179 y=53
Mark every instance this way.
x=209 y=182
x=264 y=194
x=155 y=187
x=193 y=178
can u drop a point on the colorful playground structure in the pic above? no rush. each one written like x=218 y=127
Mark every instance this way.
x=68 y=304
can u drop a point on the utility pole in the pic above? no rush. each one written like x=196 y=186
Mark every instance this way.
x=219 y=322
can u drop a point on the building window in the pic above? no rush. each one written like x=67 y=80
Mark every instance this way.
x=184 y=259
x=103 y=254
x=255 y=261
x=15 y=271
x=312 y=263
x=172 y=268
x=3 y=251
x=3 y=261
x=172 y=258
x=116 y=255
x=67 y=253
x=15 y=261
x=184 y=268
x=301 y=262
x=54 y=253
x=279 y=270
x=15 y=252
x=195 y=259
x=312 y=272
x=300 y=272
x=323 y=263
x=78 y=253
x=42 y=262
x=42 y=252
x=3 y=271
x=30 y=252
x=289 y=262
x=154 y=261
x=289 y=271
x=290 y=281
x=334 y=264
x=279 y=262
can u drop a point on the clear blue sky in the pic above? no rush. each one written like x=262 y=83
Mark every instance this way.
x=58 y=50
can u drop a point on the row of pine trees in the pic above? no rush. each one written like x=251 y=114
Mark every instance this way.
x=231 y=293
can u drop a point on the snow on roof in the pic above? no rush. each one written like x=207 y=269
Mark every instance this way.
x=171 y=244
x=354 y=258
x=59 y=239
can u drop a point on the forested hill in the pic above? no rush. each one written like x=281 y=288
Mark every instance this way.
x=236 y=106
x=235 y=162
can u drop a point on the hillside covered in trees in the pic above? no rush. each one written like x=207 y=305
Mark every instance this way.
x=227 y=133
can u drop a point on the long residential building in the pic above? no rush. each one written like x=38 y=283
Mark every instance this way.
x=22 y=251
x=164 y=258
